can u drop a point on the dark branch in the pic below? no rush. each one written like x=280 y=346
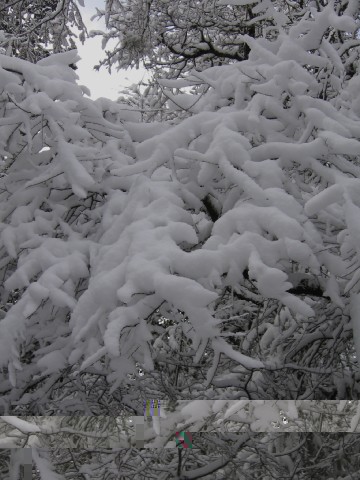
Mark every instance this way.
x=210 y=208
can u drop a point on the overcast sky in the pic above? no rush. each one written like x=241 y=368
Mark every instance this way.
x=101 y=84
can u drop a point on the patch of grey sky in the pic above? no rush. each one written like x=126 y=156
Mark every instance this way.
x=101 y=83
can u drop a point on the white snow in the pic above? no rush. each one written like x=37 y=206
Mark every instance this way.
x=271 y=281
x=237 y=2
x=332 y=289
x=247 y=362
x=326 y=197
x=338 y=144
x=9 y=240
x=354 y=424
x=93 y=358
x=352 y=212
x=156 y=424
x=60 y=298
x=101 y=197
x=77 y=175
x=22 y=425
x=196 y=410
x=10 y=442
x=265 y=412
x=355 y=321
x=52 y=362
x=139 y=132
x=343 y=22
x=44 y=466
x=236 y=407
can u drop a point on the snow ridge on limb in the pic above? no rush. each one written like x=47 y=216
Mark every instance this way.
x=54 y=162
x=22 y=425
